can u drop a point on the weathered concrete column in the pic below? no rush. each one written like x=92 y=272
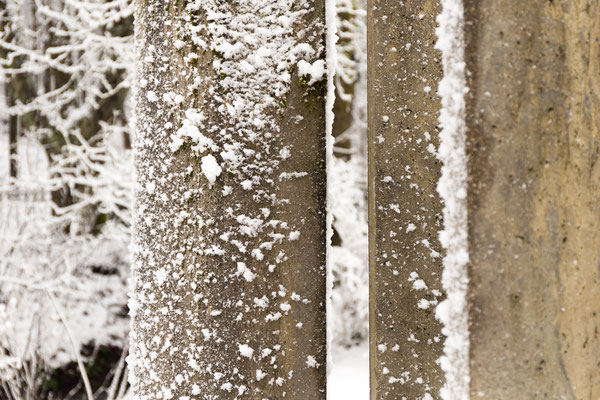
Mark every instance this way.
x=404 y=207
x=533 y=190
x=533 y=131
x=229 y=282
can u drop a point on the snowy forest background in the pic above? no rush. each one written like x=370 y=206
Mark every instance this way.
x=66 y=181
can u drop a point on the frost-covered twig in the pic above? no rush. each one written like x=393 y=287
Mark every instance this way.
x=347 y=177
x=74 y=344
x=118 y=374
x=66 y=215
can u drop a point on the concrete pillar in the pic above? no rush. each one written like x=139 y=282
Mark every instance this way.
x=229 y=281
x=533 y=128
x=533 y=131
x=404 y=207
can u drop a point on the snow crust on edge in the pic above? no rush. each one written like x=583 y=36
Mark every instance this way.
x=452 y=187
x=331 y=61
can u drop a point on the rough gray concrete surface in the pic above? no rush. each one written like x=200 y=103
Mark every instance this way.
x=240 y=311
x=404 y=207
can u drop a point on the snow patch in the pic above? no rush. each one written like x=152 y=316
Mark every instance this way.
x=452 y=188
x=245 y=350
x=210 y=168
x=315 y=71
x=311 y=362
x=245 y=272
x=331 y=62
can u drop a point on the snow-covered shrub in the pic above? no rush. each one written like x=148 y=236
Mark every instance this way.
x=64 y=231
x=348 y=174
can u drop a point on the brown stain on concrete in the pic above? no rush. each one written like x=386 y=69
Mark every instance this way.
x=534 y=215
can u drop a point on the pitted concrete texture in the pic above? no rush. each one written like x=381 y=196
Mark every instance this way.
x=405 y=209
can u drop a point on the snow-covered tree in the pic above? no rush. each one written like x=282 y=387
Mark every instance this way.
x=516 y=254
x=520 y=183
x=64 y=194
x=349 y=316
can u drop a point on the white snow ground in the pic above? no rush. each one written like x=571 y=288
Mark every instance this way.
x=349 y=377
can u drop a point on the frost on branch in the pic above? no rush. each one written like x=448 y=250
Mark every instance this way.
x=348 y=179
x=64 y=211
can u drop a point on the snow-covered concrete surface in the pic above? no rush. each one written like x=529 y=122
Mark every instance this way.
x=452 y=188
x=349 y=377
